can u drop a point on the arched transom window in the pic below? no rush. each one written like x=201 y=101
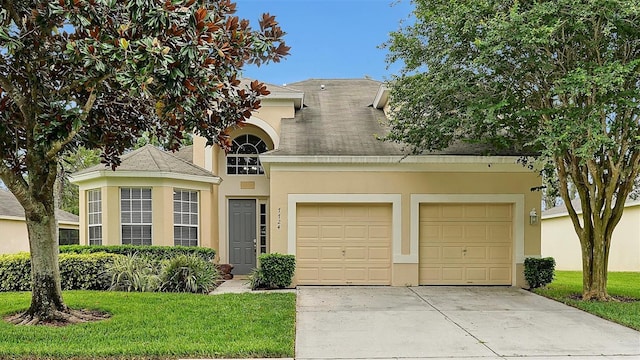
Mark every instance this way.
x=243 y=157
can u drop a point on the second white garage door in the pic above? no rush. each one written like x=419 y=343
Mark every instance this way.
x=343 y=244
x=462 y=244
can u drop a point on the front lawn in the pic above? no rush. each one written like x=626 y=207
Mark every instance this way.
x=567 y=285
x=158 y=326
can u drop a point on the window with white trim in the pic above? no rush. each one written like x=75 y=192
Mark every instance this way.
x=185 y=217
x=243 y=157
x=136 y=216
x=94 y=216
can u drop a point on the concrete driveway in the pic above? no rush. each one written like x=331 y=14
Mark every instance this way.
x=479 y=323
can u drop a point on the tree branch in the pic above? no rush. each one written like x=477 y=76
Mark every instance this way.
x=15 y=95
x=58 y=145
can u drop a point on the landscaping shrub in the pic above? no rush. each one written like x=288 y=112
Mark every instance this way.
x=148 y=252
x=15 y=272
x=77 y=271
x=274 y=271
x=189 y=273
x=86 y=271
x=539 y=272
x=134 y=273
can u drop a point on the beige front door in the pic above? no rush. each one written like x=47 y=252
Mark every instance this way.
x=463 y=244
x=343 y=244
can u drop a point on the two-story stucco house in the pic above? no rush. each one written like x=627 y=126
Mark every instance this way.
x=307 y=176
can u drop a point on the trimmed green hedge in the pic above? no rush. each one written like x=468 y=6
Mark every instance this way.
x=147 y=252
x=539 y=272
x=77 y=271
x=275 y=271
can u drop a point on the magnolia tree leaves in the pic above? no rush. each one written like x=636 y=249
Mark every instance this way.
x=99 y=73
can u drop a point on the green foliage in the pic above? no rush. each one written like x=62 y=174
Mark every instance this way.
x=134 y=273
x=148 y=252
x=555 y=79
x=77 y=271
x=159 y=326
x=623 y=286
x=256 y=279
x=72 y=161
x=539 y=272
x=86 y=271
x=189 y=273
x=274 y=271
x=15 y=272
x=100 y=73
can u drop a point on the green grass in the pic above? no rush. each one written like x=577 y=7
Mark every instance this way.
x=157 y=326
x=623 y=284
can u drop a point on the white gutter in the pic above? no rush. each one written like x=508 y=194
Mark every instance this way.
x=145 y=174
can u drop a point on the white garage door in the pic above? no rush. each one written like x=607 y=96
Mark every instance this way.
x=343 y=244
x=462 y=244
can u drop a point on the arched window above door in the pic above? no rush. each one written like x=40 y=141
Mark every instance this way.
x=243 y=157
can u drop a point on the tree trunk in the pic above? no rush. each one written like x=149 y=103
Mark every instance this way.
x=594 y=265
x=46 y=296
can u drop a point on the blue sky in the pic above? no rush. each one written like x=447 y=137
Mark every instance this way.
x=331 y=39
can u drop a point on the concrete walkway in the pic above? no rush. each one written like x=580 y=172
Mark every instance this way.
x=454 y=323
x=239 y=286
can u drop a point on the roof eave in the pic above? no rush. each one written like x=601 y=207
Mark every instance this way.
x=298 y=98
x=79 y=178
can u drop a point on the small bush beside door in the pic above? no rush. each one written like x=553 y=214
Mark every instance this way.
x=275 y=271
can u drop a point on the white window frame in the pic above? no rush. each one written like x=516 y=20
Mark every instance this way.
x=239 y=142
x=94 y=216
x=142 y=223
x=179 y=215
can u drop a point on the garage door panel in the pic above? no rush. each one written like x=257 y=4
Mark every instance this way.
x=379 y=232
x=476 y=253
x=379 y=254
x=308 y=231
x=500 y=274
x=355 y=253
x=502 y=253
x=356 y=231
x=331 y=253
x=353 y=244
x=476 y=274
x=308 y=253
x=451 y=253
x=465 y=244
x=452 y=275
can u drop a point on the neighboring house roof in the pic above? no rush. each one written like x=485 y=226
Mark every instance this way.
x=561 y=210
x=153 y=162
x=337 y=119
x=11 y=208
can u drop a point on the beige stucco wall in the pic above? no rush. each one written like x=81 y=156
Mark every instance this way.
x=336 y=180
x=560 y=241
x=162 y=202
x=14 y=237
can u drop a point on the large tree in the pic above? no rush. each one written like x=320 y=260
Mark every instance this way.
x=556 y=78
x=98 y=74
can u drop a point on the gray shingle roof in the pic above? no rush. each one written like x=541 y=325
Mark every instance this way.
x=151 y=159
x=185 y=153
x=339 y=119
x=336 y=120
x=9 y=206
